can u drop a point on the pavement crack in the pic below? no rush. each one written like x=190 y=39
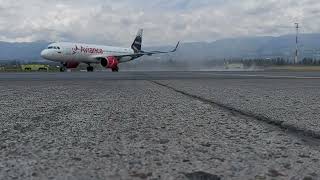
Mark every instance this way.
x=292 y=129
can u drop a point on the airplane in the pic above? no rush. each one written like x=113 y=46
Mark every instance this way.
x=70 y=55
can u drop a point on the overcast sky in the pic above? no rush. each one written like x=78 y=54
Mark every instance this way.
x=165 y=21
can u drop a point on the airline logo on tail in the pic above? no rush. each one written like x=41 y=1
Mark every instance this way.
x=137 y=43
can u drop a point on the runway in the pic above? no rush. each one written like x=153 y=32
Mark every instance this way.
x=160 y=75
x=160 y=125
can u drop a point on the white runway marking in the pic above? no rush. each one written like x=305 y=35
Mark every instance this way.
x=268 y=76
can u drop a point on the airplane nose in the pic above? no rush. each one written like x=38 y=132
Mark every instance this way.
x=45 y=54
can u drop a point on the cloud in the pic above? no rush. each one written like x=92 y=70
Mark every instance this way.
x=165 y=21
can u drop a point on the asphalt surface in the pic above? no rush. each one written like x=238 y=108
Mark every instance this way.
x=158 y=75
x=160 y=125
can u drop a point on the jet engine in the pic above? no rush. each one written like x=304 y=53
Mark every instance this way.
x=110 y=62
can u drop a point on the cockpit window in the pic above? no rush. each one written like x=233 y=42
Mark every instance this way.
x=53 y=47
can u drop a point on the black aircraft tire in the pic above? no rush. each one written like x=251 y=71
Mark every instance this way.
x=90 y=69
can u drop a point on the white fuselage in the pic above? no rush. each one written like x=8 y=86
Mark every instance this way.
x=83 y=53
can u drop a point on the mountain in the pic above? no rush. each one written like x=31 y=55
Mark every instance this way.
x=22 y=51
x=244 y=47
x=250 y=47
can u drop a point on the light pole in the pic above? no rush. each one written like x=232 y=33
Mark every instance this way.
x=297 y=47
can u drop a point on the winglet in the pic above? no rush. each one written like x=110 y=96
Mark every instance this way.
x=175 y=49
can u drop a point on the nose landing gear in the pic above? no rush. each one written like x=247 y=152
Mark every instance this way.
x=63 y=67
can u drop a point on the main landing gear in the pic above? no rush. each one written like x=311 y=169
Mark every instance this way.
x=90 y=68
x=115 y=69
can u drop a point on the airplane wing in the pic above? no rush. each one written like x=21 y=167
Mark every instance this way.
x=140 y=53
x=150 y=53
x=160 y=52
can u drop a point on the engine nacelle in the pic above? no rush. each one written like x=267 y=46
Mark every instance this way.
x=71 y=64
x=110 y=62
